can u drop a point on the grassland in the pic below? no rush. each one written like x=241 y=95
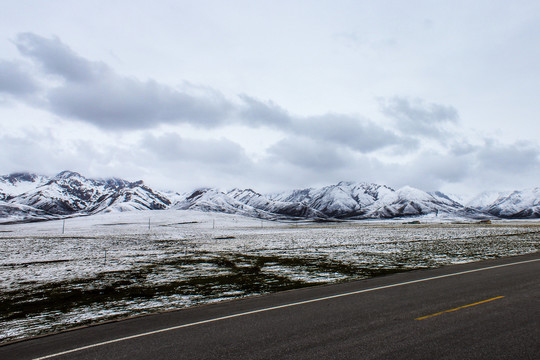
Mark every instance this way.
x=117 y=265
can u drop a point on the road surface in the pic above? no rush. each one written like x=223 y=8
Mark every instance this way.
x=482 y=310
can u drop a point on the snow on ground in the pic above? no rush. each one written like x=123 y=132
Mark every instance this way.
x=59 y=274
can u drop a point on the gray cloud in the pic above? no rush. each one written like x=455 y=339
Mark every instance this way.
x=430 y=170
x=123 y=103
x=463 y=147
x=307 y=153
x=175 y=162
x=362 y=136
x=352 y=132
x=416 y=117
x=256 y=113
x=516 y=158
x=168 y=161
x=172 y=147
x=488 y=166
x=94 y=93
x=14 y=80
x=43 y=151
x=57 y=58
x=497 y=166
x=187 y=164
x=21 y=153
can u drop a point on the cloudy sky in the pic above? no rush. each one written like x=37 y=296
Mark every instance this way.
x=274 y=94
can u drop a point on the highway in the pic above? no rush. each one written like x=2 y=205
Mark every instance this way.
x=482 y=310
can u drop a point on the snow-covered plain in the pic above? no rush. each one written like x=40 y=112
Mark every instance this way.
x=55 y=275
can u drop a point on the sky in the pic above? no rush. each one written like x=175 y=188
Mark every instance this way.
x=274 y=95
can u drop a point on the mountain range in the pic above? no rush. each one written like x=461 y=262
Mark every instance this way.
x=32 y=197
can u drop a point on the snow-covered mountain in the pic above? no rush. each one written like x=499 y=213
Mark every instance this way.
x=28 y=197
x=70 y=193
x=512 y=204
x=345 y=200
x=409 y=201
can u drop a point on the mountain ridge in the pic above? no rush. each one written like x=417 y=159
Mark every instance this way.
x=32 y=197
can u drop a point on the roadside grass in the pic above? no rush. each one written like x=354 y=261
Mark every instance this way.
x=239 y=274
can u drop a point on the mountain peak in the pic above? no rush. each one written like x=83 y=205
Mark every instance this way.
x=67 y=174
x=19 y=177
x=346 y=183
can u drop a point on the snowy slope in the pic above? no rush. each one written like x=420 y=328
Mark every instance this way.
x=66 y=193
x=207 y=199
x=409 y=201
x=281 y=208
x=347 y=199
x=486 y=199
x=132 y=196
x=213 y=200
x=363 y=200
x=18 y=183
x=17 y=213
x=343 y=200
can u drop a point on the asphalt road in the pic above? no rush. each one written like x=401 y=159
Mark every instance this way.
x=483 y=310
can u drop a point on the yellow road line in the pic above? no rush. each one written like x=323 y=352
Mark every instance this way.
x=459 y=308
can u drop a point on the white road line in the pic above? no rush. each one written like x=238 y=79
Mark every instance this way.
x=278 y=307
